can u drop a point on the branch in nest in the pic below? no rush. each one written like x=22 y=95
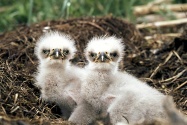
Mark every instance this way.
x=162 y=24
x=157 y=17
x=158 y=36
x=146 y=9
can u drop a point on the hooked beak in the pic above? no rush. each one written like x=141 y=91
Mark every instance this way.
x=103 y=58
x=56 y=54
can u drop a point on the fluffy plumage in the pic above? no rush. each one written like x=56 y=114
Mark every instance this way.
x=103 y=55
x=133 y=99
x=173 y=115
x=136 y=103
x=59 y=81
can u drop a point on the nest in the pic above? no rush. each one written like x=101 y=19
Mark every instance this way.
x=20 y=102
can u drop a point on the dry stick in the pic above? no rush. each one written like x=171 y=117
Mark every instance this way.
x=8 y=67
x=172 y=79
x=156 y=17
x=147 y=9
x=92 y=24
x=15 y=98
x=15 y=109
x=147 y=79
x=29 y=57
x=4 y=111
x=162 y=24
x=177 y=55
x=163 y=35
x=184 y=83
x=8 y=95
x=161 y=64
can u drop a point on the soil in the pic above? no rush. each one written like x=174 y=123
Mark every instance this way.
x=161 y=62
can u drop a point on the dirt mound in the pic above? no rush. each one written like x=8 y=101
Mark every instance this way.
x=164 y=69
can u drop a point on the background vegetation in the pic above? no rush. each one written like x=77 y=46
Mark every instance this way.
x=16 y=12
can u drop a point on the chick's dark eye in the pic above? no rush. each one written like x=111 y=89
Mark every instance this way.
x=114 y=54
x=92 y=54
x=45 y=51
x=66 y=52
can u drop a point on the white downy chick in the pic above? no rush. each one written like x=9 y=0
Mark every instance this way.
x=174 y=117
x=59 y=81
x=133 y=99
x=103 y=54
x=137 y=102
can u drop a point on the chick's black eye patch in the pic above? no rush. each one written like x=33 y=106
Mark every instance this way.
x=114 y=54
x=91 y=54
x=66 y=51
x=46 y=51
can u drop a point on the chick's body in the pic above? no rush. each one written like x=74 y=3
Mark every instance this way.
x=99 y=79
x=57 y=82
x=58 y=79
x=136 y=102
x=96 y=85
x=105 y=89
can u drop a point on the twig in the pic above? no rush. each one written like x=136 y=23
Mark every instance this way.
x=163 y=35
x=177 y=55
x=172 y=79
x=145 y=9
x=162 y=24
x=8 y=95
x=147 y=79
x=184 y=83
x=158 y=17
x=3 y=110
x=92 y=24
x=14 y=109
x=29 y=57
x=161 y=64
